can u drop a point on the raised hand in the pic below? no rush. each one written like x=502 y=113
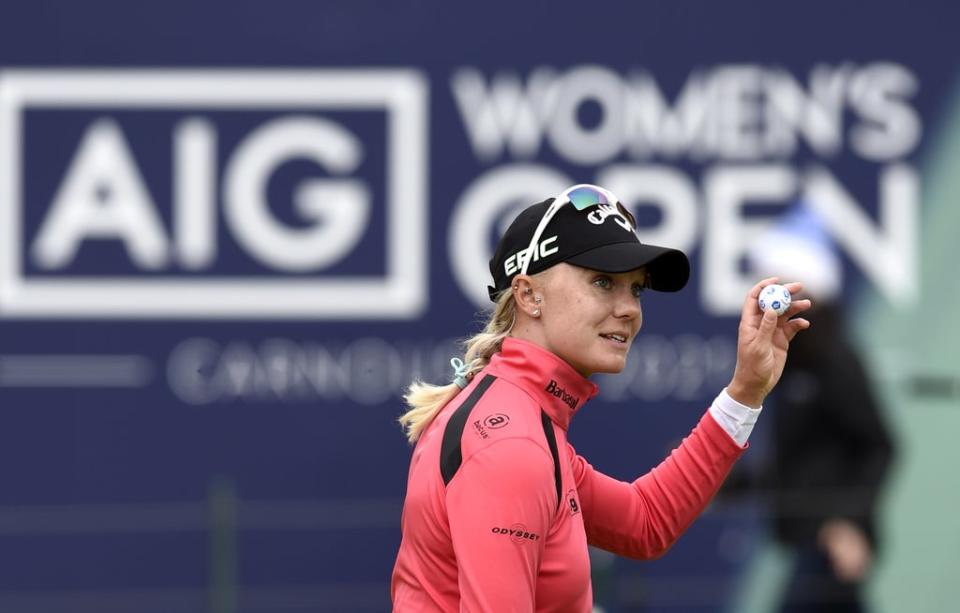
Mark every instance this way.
x=762 y=344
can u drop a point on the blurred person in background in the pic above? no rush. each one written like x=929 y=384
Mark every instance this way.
x=499 y=507
x=832 y=450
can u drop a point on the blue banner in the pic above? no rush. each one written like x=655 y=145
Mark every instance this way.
x=231 y=234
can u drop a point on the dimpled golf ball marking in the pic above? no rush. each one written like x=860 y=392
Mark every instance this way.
x=775 y=297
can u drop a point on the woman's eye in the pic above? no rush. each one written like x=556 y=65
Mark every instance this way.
x=603 y=282
x=637 y=290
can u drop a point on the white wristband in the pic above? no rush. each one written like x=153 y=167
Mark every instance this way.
x=735 y=418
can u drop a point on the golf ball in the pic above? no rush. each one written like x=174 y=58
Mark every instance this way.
x=775 y=297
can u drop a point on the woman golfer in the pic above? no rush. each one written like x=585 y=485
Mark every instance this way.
x=500 y=508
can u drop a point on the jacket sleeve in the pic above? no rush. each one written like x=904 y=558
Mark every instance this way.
x=643 y=519
x=500 y=506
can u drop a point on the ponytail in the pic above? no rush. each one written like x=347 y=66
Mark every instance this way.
x=425 y=400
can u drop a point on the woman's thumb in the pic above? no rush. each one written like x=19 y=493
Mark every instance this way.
x=768 y=324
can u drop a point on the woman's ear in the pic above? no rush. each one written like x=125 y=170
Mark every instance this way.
x=527 y=297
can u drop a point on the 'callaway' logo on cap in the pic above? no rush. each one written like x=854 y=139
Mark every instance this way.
x=600 y=214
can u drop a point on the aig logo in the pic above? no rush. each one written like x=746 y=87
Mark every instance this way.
x=213 y=193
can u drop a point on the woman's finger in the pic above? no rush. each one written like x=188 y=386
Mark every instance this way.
x=793 y=326
x=797 y=307
x=794 y=287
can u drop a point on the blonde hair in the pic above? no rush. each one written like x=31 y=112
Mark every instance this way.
x=425 y=400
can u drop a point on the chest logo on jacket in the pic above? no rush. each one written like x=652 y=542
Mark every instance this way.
x=497 y=420
x=493 y=422
x=572 y=501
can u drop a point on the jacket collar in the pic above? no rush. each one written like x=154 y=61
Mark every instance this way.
x=555 y=385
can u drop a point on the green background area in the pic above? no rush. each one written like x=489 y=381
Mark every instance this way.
x=913 y=352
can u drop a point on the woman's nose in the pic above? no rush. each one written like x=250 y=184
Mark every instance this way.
x=627 y=305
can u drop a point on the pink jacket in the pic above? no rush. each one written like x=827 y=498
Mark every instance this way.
x=500 y=508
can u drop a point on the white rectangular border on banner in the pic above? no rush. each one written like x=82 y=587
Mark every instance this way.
x=400 y=294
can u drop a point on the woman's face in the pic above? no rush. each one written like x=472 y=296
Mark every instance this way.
x=590 y=318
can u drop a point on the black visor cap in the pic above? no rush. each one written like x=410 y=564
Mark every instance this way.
x=668 y=269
